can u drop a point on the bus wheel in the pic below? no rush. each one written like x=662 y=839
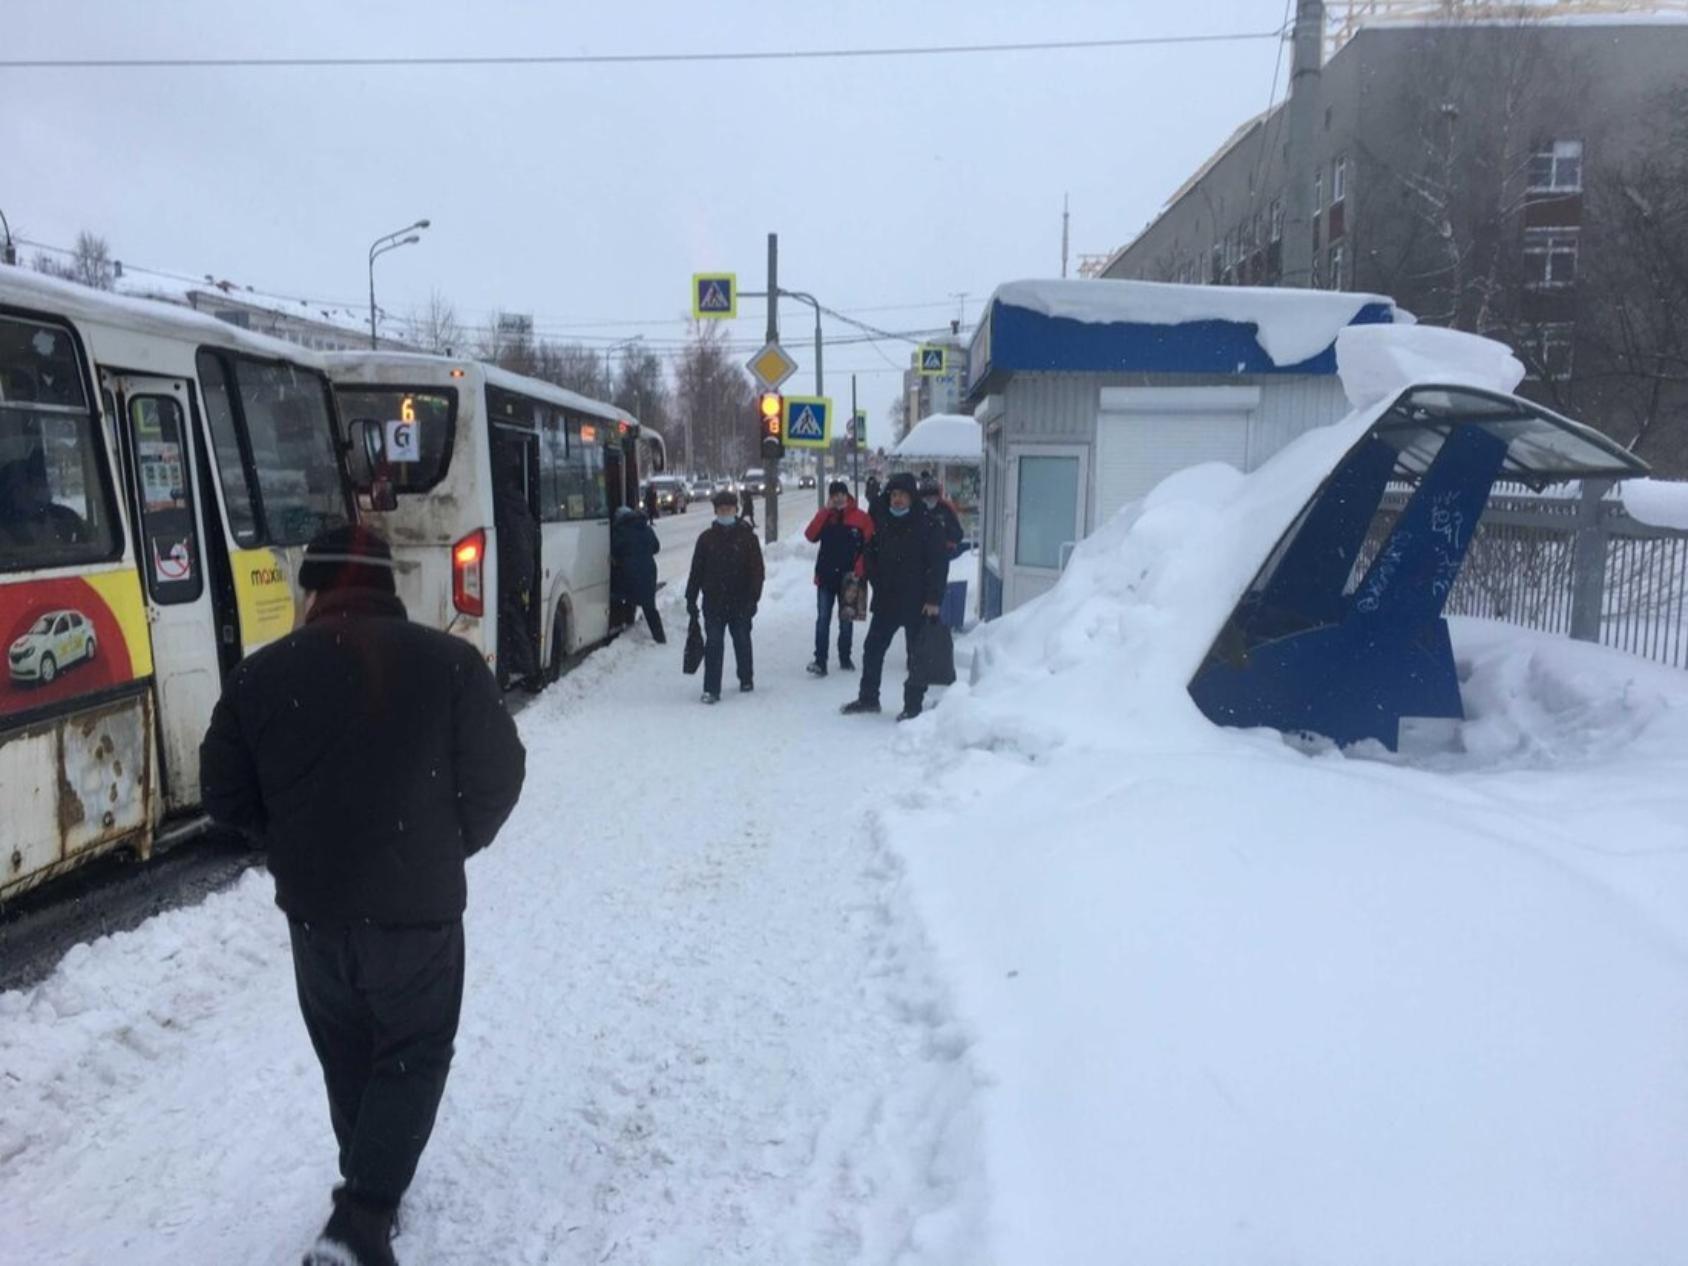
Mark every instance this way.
x=559 y=645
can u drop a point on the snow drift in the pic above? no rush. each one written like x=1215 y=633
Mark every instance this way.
x=1246 y=1004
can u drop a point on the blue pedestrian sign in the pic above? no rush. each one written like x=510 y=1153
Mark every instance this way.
x=714 y=296
x=933 y=360
x=808 y=421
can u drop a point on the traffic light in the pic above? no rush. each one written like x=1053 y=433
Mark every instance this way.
x=770 y=409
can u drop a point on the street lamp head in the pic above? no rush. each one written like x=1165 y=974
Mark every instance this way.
x=421 y=224
x=412 y=238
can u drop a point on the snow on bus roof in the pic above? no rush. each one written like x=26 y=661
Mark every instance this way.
x=28 y=289
x=495 y=376
x=1293 y=325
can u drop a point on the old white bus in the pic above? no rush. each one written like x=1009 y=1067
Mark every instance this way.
x=160 y=474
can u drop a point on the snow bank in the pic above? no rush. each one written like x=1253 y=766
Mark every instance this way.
x=1293 y=325
x=1376 y=361
x=943 y=437
x=1659 y=502
x=1245 y=1004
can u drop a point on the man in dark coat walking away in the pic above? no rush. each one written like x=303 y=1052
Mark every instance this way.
x=371 y=757
x=633 y=550
x=843 y=532
x=907 y=567
x=727 y=575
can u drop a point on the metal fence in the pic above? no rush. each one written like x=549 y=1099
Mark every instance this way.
x=1577 y=564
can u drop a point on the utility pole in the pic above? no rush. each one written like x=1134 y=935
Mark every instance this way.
x=1304 y=94
x=856 y=439
x=771 y=519
x=1066 y=218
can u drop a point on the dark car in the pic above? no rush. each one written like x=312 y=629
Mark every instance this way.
x=754 y=483
x=805 y=481
x=671 y=494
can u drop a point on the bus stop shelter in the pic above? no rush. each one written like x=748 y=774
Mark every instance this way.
x=1342 y=634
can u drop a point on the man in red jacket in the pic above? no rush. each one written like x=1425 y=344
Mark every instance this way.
x=842 y=531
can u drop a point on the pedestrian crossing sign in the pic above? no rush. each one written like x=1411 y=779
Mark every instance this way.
x=714 y=296
x=808 y=422
x=933 y=359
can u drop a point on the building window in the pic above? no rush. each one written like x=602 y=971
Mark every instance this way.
x=1277 y=219
x=1550 y=257
x=1338 y=181
x=1318 y=191
x=1557 y=168
x=1336 y=262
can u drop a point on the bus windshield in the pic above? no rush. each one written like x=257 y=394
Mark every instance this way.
x=416 y=425
x=280 y=476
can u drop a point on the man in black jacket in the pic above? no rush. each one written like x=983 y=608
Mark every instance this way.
x=633 y=549
x=907 y=566
x=371 y=757
x=727 y=575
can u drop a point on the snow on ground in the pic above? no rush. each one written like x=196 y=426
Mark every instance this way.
x=701 y=1024
x=1240 y=1003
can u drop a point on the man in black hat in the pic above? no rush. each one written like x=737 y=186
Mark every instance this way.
x=727 y=576
x=907 y=567
x=371 y=757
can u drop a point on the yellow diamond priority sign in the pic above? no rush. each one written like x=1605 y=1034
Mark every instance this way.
x=771 y=366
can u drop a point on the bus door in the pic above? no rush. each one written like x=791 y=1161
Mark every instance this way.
x=158 y=442
x=515 y=508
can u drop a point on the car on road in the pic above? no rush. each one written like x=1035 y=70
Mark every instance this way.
x=754 y=482
x=672 y=496
x=703 y=487
x=58 y=640
x=805 y=481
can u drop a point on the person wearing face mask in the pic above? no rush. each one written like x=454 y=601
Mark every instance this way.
x=939 y=506
x=907 y=567
x=843 y=532
x=727 y=576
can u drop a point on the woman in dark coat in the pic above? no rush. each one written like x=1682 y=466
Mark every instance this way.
x=633 y=549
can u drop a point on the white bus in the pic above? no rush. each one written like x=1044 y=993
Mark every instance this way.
x=505 y=490
x=160 y=473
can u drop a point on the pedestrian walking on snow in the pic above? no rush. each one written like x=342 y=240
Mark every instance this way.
x=633 y=549
x=907 y=568
x=843 y=531
x=726 y=577
x=941 y=508
x=370 y=757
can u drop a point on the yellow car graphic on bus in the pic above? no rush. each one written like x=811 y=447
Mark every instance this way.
x=58 y=640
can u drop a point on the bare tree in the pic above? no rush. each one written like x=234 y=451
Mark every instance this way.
x=715 y=399
x=90 y=264
x=642 y=389
x=508 y=343
x=435 y=328
x=572 y=366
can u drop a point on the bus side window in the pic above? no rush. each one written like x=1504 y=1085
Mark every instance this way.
x=56 y=503
x=553 y=468
x=225 y=445
x=169 y=534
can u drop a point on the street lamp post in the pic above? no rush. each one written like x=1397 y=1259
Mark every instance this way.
x=380 y=246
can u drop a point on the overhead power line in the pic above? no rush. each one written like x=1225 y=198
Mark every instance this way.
x=625 y=59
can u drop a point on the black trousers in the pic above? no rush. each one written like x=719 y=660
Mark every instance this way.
x=381 y=1007
x=882 y=629
x=716 y=629
x=653 y=619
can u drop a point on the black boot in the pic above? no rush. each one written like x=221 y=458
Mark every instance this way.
x=857 y=707
x=357 y=1234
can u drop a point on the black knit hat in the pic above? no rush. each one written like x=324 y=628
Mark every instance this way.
x=837 y=486
x=726 y=498
x=350 y=557
x=902 y=481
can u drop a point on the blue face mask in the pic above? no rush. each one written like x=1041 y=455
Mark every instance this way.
x=726 y=520
x=899 y=511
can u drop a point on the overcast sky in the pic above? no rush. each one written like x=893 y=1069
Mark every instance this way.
x=588 y=195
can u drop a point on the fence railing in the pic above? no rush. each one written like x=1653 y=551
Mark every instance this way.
x=1578 y=565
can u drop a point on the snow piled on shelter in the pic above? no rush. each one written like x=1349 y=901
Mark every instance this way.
x=1376 y=361
x=1658 y=502
x=943 y=437
x=1293 y=325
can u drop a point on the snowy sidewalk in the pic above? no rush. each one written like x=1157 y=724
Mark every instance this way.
x=700 y=1026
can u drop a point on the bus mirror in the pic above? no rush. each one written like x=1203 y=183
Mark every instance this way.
x=383 y=499
x=365 y=451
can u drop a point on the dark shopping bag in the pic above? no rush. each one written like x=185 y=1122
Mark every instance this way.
x=852 y=596
x=691 y=659
x=934 y=654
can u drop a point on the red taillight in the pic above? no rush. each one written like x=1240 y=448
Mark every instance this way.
x=468 y=558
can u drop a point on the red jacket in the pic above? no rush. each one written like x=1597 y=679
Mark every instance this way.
x=843 y=536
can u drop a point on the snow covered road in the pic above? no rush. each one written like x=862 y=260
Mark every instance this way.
x=700 y=1026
